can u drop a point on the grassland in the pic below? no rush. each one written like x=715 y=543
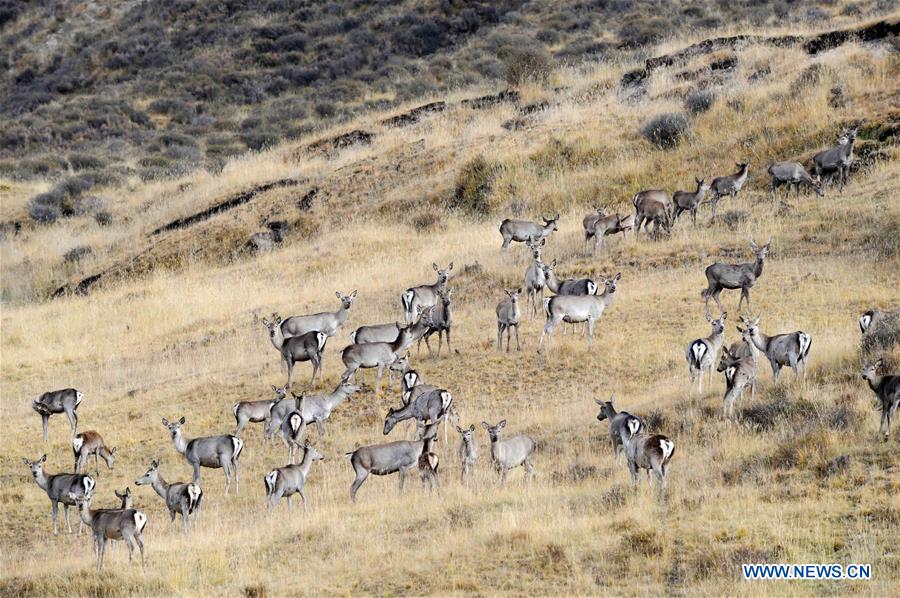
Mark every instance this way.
x=180 y=335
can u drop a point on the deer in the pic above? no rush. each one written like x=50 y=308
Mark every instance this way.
x=654 y=206
x=792 y=173
x=388 y=333
x=739 y=372
x=180 y=497
x=887 y=389
x=573 y=309
x=701 y=353
x=124 y=498
x=508 y=315
x=617 y=421
x=510 y=453
x=255 y=412
x=210 y=451
x=439 y=319
x=523 y=231
x=90 y=443
x=430 y=406
x=837 y=159
x=290 y=479
x=306 y=347
x=292 y=430
x=325 y=322
x=318 y=408
x=424 y=295
x=282 y=404
x=535 y=279
x=111 y=524
x=59 y=488
x=791 y=349
x=689 y=201
x=600 y=224
x=568 y=286
x=728 y=185
x=376 y=355
x=643 y=450
x=65 y=401
x=468 y=451
x=400 y=457
x=721 y=276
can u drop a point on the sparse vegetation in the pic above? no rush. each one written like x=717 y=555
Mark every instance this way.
x=666 y=130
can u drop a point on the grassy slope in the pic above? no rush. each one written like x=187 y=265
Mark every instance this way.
x=187 y=342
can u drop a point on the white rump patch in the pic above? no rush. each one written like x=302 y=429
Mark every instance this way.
x=140 y=520
x=270 y=481
x=79 y=396
x=729 y=374
x=88 y=483
x=446 y=399
x=407 y=299
x=353 y=337
x=235 y=409
x=634 y=425
x=296 y=421
x=77 y=443
x=698 y=350
x=667 y=447
x=411 y=378
x=432 y=461
x=238 y=447
x=805 y=341
x=321 y=337
x=591 y=287
x=194 y=493
x=864 y=322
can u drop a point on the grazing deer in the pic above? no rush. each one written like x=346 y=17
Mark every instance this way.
x=573 y=309
x=791 y=349
x=701 y=354
x=535 y=280
x=728 y=185
x=59 y=488
x=439 y=318
x=468 y=451
x=431 y=406
x=616 y=423
x=524 y=230
x=424 y=295
x=792 y=173
x=317 y=408
x=399 y=457
x=58 y=401
x=376 y=355
x=887 y=388
x=598 y=225
x=180 y=497
x=111 y=524
x=510 y=453
x=91 y=443
x=209 y=451
x=306 y=347
x=837 y=160
x=292 y=430
x=739 y=372
x=325 y=322
x=291 y=479
x=653 y=206
x=508 y=315
x=652 y=452
x=735 y=276
x=689 y=201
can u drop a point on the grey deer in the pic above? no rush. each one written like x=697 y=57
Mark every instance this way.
x=524 y=230
x=282 y=404
x=791 y=173
x=654 y=206
x=599 y=224
x=400 y=457
x=790 y=349
x=58 y=401
x=112 y=524
x=427 y=407
x=729 y=185
x=702 y=353
x=887 y=388
x=439 y=319
x=59 y=488
x=325 y=322
x=689 y=201
x=424 y=295
x=318 y=408
x=740 y=371
x=293 y=428
x=180 y=497
x=208 y=451
x=643 y=450
x=90 y=443
x=468 y=451
x=309 y=346
x=508 y=316
x=256 y=412
x=290 y=479
x=617 y=421
x=535 y=279
x=376 y=355
x=573 y=309
x=735 y=276
x=388 y=333
x=510 y=453
x=837 y=160
x=568 y=286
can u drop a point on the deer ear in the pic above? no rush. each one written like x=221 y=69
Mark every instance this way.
x=182 y=420
x=708 y=318
x=338 y=295
x=724 y=315
x=435 y=266
x=543 y=241
x=502 y=423
x=450 y=267
x=26 y=461
x=485 y=425
x=472 y=428
x=154 y=464
x=43 y=458
x=353 y=294
x=165 y=422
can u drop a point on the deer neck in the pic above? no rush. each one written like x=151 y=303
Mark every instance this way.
x=496 y=449
x=758 y=267
x=159 y=485
x=760 y=341
x=875 y=382
x=306 y=463
x=106 y=456
x=179 y=442
x=342 y=314
x=42 y=479
x=87 y=516
x=277 y=338
x=717 y=339
x=335 y=399
x=552 y=281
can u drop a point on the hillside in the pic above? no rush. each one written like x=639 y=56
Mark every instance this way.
x=160 y=302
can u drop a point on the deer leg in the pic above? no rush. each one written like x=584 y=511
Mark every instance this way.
x=97 y=462
x=518 y=347
x=590 y=327
x=290 y=369
x=54 y=506
x=303 y=499
x=632 y=468
x=102 y=550
x=499 y=334
x=130 y=547
x=378 y=381
x=185 y=519
x=140 y=543
x=402 y=474
x=776 y=370
x=45 y=421
x=196 y=467
x=529 y=469
x=449 y=349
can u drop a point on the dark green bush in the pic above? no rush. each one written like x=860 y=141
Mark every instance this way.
x=473 y=187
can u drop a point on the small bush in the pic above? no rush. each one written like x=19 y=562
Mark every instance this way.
x=473 y=187
x=45 y=214
x=665 y=131
x=698 y=102
x=292 y=42
x=76 y=254
x=529 y=64
x=103 y=218
x=85 y=161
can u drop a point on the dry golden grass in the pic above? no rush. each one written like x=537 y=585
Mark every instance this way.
x=187 y=341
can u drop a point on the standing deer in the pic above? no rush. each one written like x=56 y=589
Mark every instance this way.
x=573 y=309
x=524 y=230
x=837 y=160
x=887 y=388
x=424 y=295
x=292 y=430
x=439 y=319
x=739 y=372
x=508 y=315
x=701 y=354
x=307 y=347
x=281 y=406
x=728 y=185
x=510 y=453
x=58 y=401
x=568 y=286
x=209 y=451
x=689 y=201
x=388 y=333
x=791 y=349
x=468 y=451
x=111 y=524
x=375 y=355
x=616 y=423
x=735 y=276
x=255 y=412
x=535 y=280
x=180 y=497
x=653 y=206
x=652 y=452
x=290 y=479
x=317 y=408
x=325 y=322
x=59 y=488
x=598 y=225
x=792 y=173
x=91 y=443
x=428 y=407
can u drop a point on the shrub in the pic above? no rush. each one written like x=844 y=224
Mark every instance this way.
x=473 y=186
x=45 y=214
x=76 y=254
x=292 y=42
x=642 y=31
x=666 y=130
x=529 y=64
x=103 y=218
x=85 y=161
x=698 y=102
